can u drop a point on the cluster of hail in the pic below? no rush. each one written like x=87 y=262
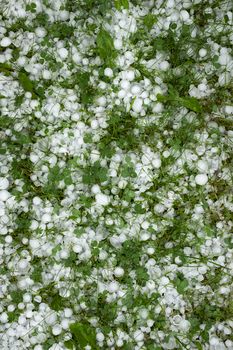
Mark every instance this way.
x=116 y=141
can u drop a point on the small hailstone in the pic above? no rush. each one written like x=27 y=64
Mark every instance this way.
x=125 y=84
x=229 y=109
x=156 y=163
x=101 y=101
x=137 y=105
x=77 y=248
x=51 y=319
x=46 y=74
x=201 y=179
x=158 y=107
x=136 y=89
x=40 y=32
x=113 y=287
x=108 y=72
x=164 y=65
x=202 y=52
x=102 y=199
x=23 y=264
x=5 y=42
x=4 y=183
x=159 y=208
x=130 y=75
x=4 y=317
x=119 y=272
x=4 y=195
x=184 y=15
x=202 y=166
x=117 y=44
x=68 y=312
x=63 y=53
x=34 y=243
x=150 y=251
x=56 y=330
x=95 y=189
x=184 y=325
x=46 y=218
x=121 y=94
x=100 y=337
x=138 y=335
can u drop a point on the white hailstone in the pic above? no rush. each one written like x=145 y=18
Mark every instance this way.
x=27 y=298
x=125 y=84
x=4 y=195
x=202 y=52
x=143 y=313
x=36 y=201
x=145 y=225
x=108 y=72
x=40 y=32
x=150 y=285
x=135 y=89
x=224 y=59
x=102 y=199
x=113 y=287
x=164 y=65
x=34 y=158
x=214 y=341
x=5 y=42
x=202 y=87
x=117 y=44
x=77 y=248
x=95 y=189
x=4 y=183
x=144 y=236
x=22 y=264
x=4 y=317
x=156 y=163
x=121 y=94
x=138 y=335
x=158 y=107
x=122 y=183
x=202 y=166
x=159 y=208
x=51 y=319
x=94 y=124
x=64 y=254
x=34 y=243
x=68 y=312
x=46 y=218
x=129 y=75
x=184 y=15
x=8 y=239
x=65 y=323
x=164 y=281
x=119 y=272
x=63 y=53
x=76 y=58
x=201 y=179
x=150 y=250
x=46 y=74
x=101 y=101
x=137 y=105
x=229 y=109
x=184 y=325
x=100 y=337
x=56 y=330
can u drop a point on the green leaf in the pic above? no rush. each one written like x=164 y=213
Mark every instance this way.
x=149 y=20
x=26 y=83
x=191 y=103
x=69 y=344
x=105 y=44
x=122 y=4
x=83 y=334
